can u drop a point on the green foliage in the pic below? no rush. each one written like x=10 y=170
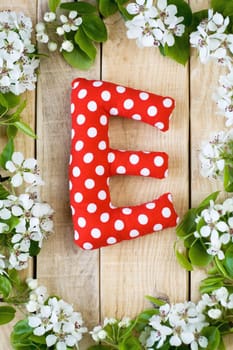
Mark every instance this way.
x=81 y=7
x=7 y=153
x=22 y=337
x=180 y=52
x=213 y=336
x=198 y=255
x=107 y=7
x=85 y=43
x=5 y=286
x=94 y=28
x=78 y=59
x=53 y=4
x=7 y=314
x=183 y=260
x=209 y=284
x=228 y=261
x=223 y=6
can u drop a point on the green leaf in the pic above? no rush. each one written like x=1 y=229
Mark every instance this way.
x=80 y=6
x=78 y=59
x=188 y=224
x=34 y=248
x=228 y=178
x=98 y=347
x=37 y=339
x=21 y=330
x=12 y=99
x=107 y=7
x=206 y=202
x=155 y=301
x=7 y=314
x=183 y=261
x=11 y=131
x=53 y=4
x=180 y=51
x=221 y=6
x=5 y=286
x=3 y=101
x=3 y=192
x=198 y=255
x=24 y=128
x=183 y=9
x=209 y=284
x=94 y=28
x=197 y=18
x=213 y=336
x=228 y=261
x=132 y=343
x=7 y=153
x=85 y=43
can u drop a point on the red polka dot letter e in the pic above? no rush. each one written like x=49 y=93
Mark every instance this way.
x=97 y=222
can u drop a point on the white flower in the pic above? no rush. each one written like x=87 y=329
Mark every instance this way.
x=23 y=170
x=49 y=16
x=40 y=27
x=17 y=67
x=98 y=334
x=125 y=322
x=67 y=46
x=52 y=46
x=60 y=31
x=72 y=22
x=110 y=321
x=214 y=313
x=216 y=243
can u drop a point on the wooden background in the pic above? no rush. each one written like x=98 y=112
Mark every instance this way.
x=113 y=281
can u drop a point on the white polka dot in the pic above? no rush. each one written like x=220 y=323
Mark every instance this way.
x=80 y=119
x=119 y=225
x=152 y=111
x=95 y=233
x=82 y=222
x=105 y=95
x=158 y=161
x=97 y=83
x=78 y=197
x=111 y=240
x=134 y=159
x=177 y=220
x=136 y=117
x=72 y=133
x=89 y=183
x=167 y=102
x=88 y=158
x=91 y=208
x=108 y=180
x=158 y=227
x=113 y=111
x=150 y=205
x=142 y=219
x=120 y=89
x=111 y=157
x=166 y=173
x=143 y=96
x=159 y=125
x=120 y=170
x=76 y=235
x=76 y=84
x=103 y=120
x=87 y=246
x=111 y=206
x=102 y=195
x=72 y=108
x=71 y=158
x=92 y=132
x=170 y=197
x=76 y=171
x=128 y=104
x=99 y=170
x=79 y=145
x=82 y=93
x=70 y=185
x=126 y=211
x=92 y=106
x=102 y=145
x=134 y=233
x=166 y=212
x=72 y=210
x=145 y=172
x=104 y=217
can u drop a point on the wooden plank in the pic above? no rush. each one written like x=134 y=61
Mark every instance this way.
x=23 y=143
x=65 y=269
x=145 y=266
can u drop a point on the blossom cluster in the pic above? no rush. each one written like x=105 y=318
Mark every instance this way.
x=24 y=219
x=182 y=324
x=154 y=25
x=224 y=97
x=215 y=227
x=18 y=64
x=64 y=25
x=53 y=318
x=213 y=152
